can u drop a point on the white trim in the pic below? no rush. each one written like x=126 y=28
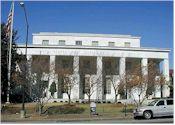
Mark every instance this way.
x=98 y=47
x=85 y=35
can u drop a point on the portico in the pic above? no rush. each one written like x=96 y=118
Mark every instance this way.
x=96 y=56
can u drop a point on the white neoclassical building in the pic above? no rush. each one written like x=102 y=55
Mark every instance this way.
x=107 y=51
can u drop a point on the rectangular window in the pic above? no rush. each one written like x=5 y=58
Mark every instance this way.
x=87 y=84
x=86 y=64
x=108 y=64
x=128 y=66
x=127 y=44
x=108 y=86
x=111 y=44
x=79 y=43
x=45 y=42
x=169 y=102
x=61 y=42
x=65 y=64
x=94 y=43
x=160 y=103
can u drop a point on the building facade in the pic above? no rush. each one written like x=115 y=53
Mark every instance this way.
x=101 y=56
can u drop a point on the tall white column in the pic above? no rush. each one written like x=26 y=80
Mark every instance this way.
x=122 y=68
x=166 y=89
x=76 y=89
x=144 y=66
x=51 y=74
x=100 y=79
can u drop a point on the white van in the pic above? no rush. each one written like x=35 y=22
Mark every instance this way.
x=156 y=108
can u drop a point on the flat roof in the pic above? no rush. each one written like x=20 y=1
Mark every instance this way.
x=85 y=35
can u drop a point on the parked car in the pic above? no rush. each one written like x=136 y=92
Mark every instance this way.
x=157 y=108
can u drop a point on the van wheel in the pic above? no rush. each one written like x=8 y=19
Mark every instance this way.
x=147 y=114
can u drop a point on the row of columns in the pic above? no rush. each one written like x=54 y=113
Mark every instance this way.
x=122 y=67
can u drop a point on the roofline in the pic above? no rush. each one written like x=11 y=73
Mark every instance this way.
x=98 y=47
x=85 y=35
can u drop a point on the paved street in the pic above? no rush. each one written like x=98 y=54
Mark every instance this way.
x=78 y=119
x=155 y=120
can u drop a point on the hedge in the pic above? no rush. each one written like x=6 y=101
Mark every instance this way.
x=65 y=109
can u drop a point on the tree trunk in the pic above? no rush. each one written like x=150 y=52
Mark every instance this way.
x=89 y=99
x=116 y=97
x=40 y=109
x=161 y=91
x=139 y=101
x=69 y=98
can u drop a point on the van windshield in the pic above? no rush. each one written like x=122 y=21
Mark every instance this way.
x=152 y=103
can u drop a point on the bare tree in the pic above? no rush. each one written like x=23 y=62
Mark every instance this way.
x=69 y=81
x=91 y=84
x=137 y=86
x=39 y=79
x=141 y=85
x=156 y=79
x=66 y=68
x=160 y=82
x=91 y=72
x=118 y=86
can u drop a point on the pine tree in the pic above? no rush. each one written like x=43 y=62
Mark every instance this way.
x=4 y=60
x=52 y=89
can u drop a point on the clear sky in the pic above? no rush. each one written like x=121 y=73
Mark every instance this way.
x=153 y=21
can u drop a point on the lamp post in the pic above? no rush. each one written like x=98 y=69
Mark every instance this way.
x=23 y=92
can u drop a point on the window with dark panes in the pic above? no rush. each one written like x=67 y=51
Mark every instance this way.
x=87 y=84
x=94 y=43
x=79 y=43
x=62 y=42
x=65 y=63
x=86 y=64
x=108 y=86
x=169 y=102
x=45 y=42
x=127 y=44
x=108 y=65
x=111 y=44
x=128 y=66
x=160 y=103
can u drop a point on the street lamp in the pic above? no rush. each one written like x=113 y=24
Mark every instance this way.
x=27 y=25
x=23 y=93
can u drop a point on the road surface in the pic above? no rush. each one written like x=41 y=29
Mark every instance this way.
x=127 y=121
x=155 y=120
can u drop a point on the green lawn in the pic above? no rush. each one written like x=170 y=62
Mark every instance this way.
x=103 y=108
x=106 y=111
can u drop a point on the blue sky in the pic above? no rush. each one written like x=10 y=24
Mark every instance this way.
x=153 y=21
